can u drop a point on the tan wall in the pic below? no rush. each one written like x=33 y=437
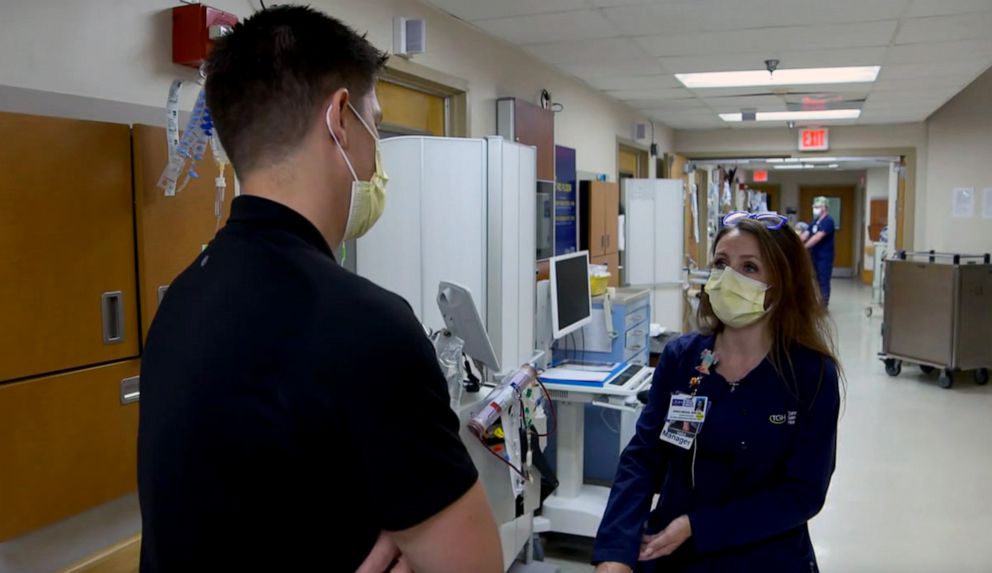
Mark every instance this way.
x=959 y=146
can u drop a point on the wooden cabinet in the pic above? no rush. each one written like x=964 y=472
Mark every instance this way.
x=599 y=207
x=524 y=122
x=67 y=444
x=68 y=297
x=171 y=230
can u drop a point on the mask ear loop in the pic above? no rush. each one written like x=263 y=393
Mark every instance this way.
x=362 y=120
x=327 y=120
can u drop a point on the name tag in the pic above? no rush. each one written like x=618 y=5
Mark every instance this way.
x=686 y=415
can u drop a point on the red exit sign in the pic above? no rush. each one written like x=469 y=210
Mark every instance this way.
x=760 y=176
x=814 y=139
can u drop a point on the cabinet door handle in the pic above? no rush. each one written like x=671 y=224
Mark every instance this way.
x=113 y=317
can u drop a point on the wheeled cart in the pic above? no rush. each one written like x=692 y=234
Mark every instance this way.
x=938 y=314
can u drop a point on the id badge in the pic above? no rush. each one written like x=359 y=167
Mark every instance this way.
x=686 y=408
x=686 y=415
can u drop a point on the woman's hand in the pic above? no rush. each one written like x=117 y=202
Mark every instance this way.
x=613 y=567
x=383 y=555
x=666 y=542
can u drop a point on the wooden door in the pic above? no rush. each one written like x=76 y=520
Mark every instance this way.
x=611 y=215
x=878 y=218
x=67 y=265
x=595 y=201
x=846 y=226
x=411 y=111
x=627 y=167
x=68 y=445
x=171 y=230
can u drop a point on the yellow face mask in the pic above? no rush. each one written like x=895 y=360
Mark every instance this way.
x=737 y=300
x=368 y=198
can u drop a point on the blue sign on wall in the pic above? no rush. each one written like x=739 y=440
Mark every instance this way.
x=566 y=204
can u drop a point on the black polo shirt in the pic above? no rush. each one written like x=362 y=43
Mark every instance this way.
x=290 y=410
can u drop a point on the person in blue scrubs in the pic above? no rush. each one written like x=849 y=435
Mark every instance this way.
x=819 y=239
x=737 y=497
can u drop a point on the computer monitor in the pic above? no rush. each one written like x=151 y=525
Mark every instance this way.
x=571 y=301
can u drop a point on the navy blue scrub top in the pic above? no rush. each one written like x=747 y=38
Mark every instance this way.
x=824 y=250
x=764 y=458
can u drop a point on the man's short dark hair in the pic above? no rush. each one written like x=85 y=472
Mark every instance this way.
x=267 y=80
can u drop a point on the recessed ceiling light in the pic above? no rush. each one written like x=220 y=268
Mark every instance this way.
x=794 y=166
x=795 y=77
x=796 y=115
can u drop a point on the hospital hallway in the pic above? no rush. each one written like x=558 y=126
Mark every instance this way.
x=911 y=490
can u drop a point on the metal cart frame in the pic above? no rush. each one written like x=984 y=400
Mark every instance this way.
x=938 y=314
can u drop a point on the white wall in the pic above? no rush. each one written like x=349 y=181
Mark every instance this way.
x=103 y=53
x=960 y=149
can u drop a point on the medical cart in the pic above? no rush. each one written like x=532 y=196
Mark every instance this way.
x=938 y=314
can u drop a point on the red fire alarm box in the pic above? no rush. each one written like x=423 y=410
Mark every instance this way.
x=194 y=27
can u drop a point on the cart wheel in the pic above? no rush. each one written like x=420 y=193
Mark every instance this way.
x=868 y=311
x=893 y=367
x=982 y=376
x=927 y=369
x=946 y=379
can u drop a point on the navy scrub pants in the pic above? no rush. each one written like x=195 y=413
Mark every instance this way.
x=824 y=268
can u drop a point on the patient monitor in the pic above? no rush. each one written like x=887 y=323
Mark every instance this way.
x=461 y=318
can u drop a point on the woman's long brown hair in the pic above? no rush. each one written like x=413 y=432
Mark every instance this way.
x=796 y=313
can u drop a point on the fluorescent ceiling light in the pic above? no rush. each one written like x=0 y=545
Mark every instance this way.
x=793 y=166
x=819 y=159
x=796 y=115
x=833 y=166
x=796 y=77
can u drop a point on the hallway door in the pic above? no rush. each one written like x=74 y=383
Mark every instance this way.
x=842 y=210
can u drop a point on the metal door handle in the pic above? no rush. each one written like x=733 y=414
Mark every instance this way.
x=130 y=390
x=113 y=317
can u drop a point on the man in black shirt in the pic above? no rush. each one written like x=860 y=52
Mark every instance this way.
x=293 y=413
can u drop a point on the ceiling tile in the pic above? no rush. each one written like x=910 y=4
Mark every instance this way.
x=632 y=82
x=588 y=71
x=545 y=28
x=657 y=94
x=677 y=105
x=608 y=3
x=921 y=83
x=685 y=16
x=770 y=40
x=921 y=8
x=959 y=68
x=942 y=28
x=733 y=61
x=936 y=52
x=630 y=49
x=480 y=9
x=578 y=52
x=737 y=102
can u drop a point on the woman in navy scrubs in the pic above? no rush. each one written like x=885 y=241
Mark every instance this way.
x=736 y=493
